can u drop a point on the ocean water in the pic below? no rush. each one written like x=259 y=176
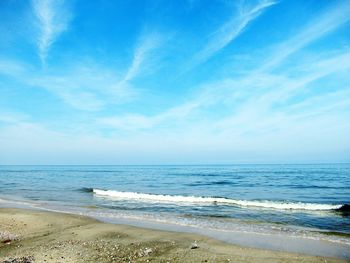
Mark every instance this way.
x=304 y=200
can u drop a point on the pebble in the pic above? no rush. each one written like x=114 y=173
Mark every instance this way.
x=194 y=245
x=147 y=251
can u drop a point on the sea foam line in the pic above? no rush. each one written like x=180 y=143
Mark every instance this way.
x=213 y=200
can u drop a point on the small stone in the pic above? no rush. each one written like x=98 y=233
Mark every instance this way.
x=194 y=245
x=147 y=251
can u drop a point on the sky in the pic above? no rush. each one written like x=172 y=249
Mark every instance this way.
x=174 y=81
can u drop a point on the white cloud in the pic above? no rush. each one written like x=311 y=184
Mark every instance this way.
x=86 y=86
x=12 y=68
x=139 y=122
x=224 y=118
x=245 y=105
x=269 y=88
x=293 y=141
x=11 y=117
x=147 y=44
x=52 y=17
x=322 y=25
x=231 y=29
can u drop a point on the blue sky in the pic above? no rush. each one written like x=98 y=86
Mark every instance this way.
x=174 y=82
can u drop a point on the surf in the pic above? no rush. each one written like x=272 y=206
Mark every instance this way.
x=180 y=199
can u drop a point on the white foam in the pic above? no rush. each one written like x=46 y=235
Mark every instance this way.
x=179 y=199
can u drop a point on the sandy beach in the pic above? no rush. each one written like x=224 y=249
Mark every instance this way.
x=37 y=236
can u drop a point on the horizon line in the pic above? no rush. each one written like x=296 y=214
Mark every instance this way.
x=193 y=164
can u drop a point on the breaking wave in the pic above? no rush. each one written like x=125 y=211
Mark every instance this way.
x=179 y=199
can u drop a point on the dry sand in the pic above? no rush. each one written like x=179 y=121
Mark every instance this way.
x=36 y=236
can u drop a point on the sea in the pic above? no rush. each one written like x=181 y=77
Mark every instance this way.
x=299 y=202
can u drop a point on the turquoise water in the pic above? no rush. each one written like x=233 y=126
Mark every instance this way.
x=289 y=197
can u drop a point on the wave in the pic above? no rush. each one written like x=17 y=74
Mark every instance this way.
x=179 y=199
x=86 y=190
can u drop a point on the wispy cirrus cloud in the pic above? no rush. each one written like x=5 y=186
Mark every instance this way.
x=53 y=17
x=85 y=86
x=248 y=103
x=317 y=28
x=231 y=29
x=141 y=122
x=143 y=50
x=271 y=106
x=11 y=117
x=11 y=68
x=88 y=87
x=259 y=81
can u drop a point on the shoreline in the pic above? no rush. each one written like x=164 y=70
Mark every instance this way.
x=43 y=233
x=300 y=243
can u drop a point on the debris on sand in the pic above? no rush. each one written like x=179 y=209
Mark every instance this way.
x=147 y=251
x=6 y=237
x=194 y=245
x=29 y=259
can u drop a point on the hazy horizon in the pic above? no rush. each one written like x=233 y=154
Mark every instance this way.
x=174 y=82
x=185 y=164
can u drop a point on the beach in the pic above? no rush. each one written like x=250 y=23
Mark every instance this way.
x=40 y=236
x=264 y=207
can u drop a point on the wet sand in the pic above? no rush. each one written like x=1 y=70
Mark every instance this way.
x=37 y=236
